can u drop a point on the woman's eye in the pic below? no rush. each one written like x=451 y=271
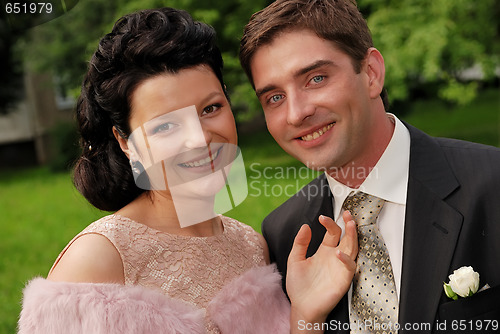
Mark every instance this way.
x=211 y=109
x=162 y=128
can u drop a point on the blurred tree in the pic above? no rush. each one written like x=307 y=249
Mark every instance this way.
x=433 y=41
x=66 y=44
x=10 y=67
x=16 y=18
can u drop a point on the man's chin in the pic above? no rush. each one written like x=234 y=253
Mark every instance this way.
x=315 y=165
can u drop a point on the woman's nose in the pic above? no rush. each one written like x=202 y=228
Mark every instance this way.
x=196 y=136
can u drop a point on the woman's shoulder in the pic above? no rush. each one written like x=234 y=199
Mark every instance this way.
x=241 y=231
x=90 y=257
x=235 y=226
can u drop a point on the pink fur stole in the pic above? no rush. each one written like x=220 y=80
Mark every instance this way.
x=252 y=303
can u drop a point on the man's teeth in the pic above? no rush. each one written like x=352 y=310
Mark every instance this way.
x=318 y=133
x=201 y=162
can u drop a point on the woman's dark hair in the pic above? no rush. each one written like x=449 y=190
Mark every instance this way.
x=141 y=45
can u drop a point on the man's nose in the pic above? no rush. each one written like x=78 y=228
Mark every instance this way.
x=298 y=108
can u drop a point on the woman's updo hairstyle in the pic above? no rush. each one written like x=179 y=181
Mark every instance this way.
x=141 y=45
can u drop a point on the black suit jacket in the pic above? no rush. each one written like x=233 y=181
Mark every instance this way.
x=452 y=220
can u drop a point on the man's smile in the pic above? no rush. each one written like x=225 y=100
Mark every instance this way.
x=318 y=133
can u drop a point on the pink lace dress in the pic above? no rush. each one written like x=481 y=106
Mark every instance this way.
x=192 y=269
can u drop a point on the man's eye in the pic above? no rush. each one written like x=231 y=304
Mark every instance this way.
x=211 y=108
x=317 y=79
x=276 y=98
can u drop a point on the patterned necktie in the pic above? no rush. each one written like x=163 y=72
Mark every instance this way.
x=374 y=303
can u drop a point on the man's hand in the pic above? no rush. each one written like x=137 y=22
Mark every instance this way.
x=316 y=284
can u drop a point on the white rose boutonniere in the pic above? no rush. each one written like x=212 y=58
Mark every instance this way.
x=464 y=282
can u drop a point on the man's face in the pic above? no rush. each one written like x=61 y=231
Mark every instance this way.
x=317 y=108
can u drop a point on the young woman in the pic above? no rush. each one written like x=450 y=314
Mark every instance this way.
x=159 y=139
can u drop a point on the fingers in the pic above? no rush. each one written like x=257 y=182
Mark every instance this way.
x=348 y=248
x=349 y=243
x=346 y=215
x=332 y=236
x=300 y=244
x=347 y=260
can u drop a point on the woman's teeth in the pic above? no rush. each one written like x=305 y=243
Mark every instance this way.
x=318 y=133
x=201 y=162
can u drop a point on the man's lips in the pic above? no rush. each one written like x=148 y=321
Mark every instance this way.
x=311 y=135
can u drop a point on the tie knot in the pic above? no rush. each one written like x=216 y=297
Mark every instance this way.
x=364 y=208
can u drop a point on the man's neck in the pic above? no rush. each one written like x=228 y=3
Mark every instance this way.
x=354 y=173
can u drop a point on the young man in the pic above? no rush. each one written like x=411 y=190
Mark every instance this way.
x=321 y=85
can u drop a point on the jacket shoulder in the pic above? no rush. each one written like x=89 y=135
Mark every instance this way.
x=445 y=164
x=467 y=147
x=472 y=160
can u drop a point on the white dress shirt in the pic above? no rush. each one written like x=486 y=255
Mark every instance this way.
x=387 y=180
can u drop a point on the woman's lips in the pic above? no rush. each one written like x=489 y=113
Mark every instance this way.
x=203 y=161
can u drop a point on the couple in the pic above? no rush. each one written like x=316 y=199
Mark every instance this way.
x=320 y=82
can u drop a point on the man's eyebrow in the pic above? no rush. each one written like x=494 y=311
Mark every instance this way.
x=268 y=88
x=302 y=71
x=313 y=66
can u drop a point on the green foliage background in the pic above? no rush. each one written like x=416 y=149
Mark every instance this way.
x=65 y=45
x=425 y=43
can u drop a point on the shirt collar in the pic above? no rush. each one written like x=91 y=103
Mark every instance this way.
x=389 y=178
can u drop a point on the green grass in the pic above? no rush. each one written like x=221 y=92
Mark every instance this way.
x=41 y=211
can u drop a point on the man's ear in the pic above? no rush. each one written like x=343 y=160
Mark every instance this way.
x=122 y=141
x=375 y=69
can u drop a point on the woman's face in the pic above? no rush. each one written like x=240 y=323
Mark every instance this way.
x=183 y=131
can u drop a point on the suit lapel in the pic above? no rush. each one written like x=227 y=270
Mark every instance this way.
x=316 y=206
x=431 y=231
